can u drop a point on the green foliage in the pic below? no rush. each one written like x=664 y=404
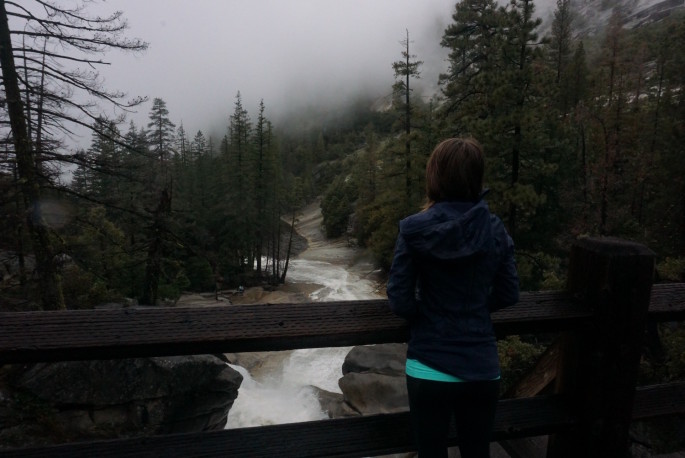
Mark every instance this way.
x=673 y=340
x=382 y=239
x=517 y=358
x=336 y=207
x=665 y=360
x=671 y=270
x=378 y=225
x=161 y=130
x=540 y=271
x=83 y=290
x=102 y=262
x=198 y=271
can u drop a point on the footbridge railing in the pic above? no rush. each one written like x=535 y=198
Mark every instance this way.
x=582 y=393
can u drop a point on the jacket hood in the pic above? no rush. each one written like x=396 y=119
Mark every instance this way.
x=449 y=231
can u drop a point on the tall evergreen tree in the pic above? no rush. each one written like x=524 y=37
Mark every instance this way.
x=406 y=69
x=106 y=162
x=494 y=90
x=182 y=146
x=522 y=39
x=262 y=145
x=561 y=37
x=560 y=48
x=473 y=41
x=241 y=185
x=160 y=139
x=160 y=136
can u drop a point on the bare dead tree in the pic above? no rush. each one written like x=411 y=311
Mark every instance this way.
x=49 y=54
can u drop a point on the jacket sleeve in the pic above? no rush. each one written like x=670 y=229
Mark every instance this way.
x=402 y=281
x=505 y=287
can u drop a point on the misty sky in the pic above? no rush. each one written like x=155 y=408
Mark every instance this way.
x=288 y=52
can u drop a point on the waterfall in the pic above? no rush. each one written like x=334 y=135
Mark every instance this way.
x=285 y=394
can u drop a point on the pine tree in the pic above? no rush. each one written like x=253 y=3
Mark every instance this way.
x=262 y=144
x=560 y=47
x=106 y=162
x=561 y=37
x=406 y=69
x=198 y=146
x=473 y=43
x=83 y=179
x=182 y=147
x=494 y=91
x=240 y=188
x=160 y=137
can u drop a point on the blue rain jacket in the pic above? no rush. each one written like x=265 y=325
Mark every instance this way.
x=453 y=265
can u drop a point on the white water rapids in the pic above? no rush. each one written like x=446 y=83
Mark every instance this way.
x=283 y=393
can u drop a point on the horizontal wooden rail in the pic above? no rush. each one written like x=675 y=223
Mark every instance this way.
x=659 y=400
x=372 y=435
x=156 y=331
x=346 y=437
x=667 y=302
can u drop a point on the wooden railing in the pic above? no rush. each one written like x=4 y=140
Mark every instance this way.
x=589 y=374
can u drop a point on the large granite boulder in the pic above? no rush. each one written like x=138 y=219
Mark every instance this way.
x=119 y=398
x=373 y=379
x=388 y=359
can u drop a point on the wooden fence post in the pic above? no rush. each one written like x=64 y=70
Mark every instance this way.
x=599 y=366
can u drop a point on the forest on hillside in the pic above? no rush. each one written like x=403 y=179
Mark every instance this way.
x=583 y=136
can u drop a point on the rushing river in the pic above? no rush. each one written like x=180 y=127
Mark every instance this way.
x=284 y=393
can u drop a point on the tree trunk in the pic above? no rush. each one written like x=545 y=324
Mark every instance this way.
x=407 y=132
x=290 y=245
x=515 y=166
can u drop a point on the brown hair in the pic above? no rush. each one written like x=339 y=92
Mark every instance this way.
x=455 y=171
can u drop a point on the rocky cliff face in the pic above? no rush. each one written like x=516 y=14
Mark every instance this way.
x=57 y=402
x=593 y=15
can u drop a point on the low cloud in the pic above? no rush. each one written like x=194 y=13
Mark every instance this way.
x=290 y=53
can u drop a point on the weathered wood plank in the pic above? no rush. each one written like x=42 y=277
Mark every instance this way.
x=614 y=278
x=138 y=332
x=93 y=334
x=537 y=379
x=659 y=400
x=667 y=302
x=526 y=447
x=347 y=437
x=539 y=312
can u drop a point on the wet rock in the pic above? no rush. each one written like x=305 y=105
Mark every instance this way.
x=334 y=404
x=370 y=393
x=121 y=398
x=260 y=364
x=374 y=380
x=386 y=359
